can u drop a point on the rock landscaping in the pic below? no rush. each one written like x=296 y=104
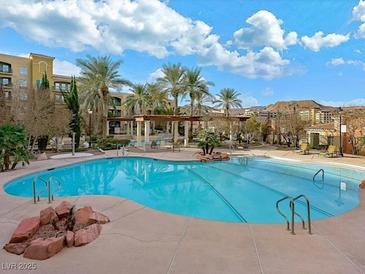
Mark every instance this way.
x=215 y=156
x=43 y=236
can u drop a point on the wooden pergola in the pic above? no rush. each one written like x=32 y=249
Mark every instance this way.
x=174 y=119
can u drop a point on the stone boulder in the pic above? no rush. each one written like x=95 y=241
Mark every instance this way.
x=16 y=248
x=70 y=238
x=26 y=229
x=362 y=184
x=41 y=249
x=87 y=235
x=63 y=209
x=41 y=157
x=48 y=216
x=83 y=216
x=97 y=217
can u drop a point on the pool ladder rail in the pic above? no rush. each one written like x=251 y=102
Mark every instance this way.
x=48 y=185
x=321 y=186
x=290 y=224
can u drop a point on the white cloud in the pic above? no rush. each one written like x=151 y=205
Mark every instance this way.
x=147 y=26
x=65 y=68
x=264 y=30
x=268 y=92
x=358 y=14
x=155 y=75
x=341 y=61
x=267 y=63
x=248 y=101
x=350 y=103
x=319 y=40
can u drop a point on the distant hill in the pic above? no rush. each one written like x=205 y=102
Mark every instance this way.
x=289 y=105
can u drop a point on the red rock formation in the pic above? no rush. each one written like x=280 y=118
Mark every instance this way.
x=83 y=215
x=87 y=235
x=41 y=249
x=25 y=230
x=97 y=217
x=63 y=209
x=16 y=248
x=48 y=216
x=70 y=238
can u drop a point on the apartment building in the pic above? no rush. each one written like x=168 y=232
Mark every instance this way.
x=24 y=74
x=116 y=123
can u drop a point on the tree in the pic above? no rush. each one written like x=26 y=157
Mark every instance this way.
x=227 y=99
x=292 y=128
x=98 y=76
x=13 y=146
x=41 y=120
x=355 y=129
x=158 y=101
x=72 y=101
x=137 y=101
x=172 y=82
x=208 y=140
x=250 y=129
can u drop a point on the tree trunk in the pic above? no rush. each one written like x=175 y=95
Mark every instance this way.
x=211 y=150
x=176 y=102
x=6 y=160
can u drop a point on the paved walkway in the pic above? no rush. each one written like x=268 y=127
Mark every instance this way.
x=142 y=240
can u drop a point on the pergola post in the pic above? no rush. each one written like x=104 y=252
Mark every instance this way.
x=146 y=132
x=131 y=128
x=186 y=133
x=107 y=128
x=176 y=131
x=230 y=131
x=128 y=128
x=139 y=129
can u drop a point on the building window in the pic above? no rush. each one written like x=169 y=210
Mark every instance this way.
x=5 y=67
x=23 y=70
x=59 y=86
x=59 y=98
x=23 y=83
x=5 y=81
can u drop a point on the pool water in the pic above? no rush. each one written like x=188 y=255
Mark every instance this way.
x=243 y=189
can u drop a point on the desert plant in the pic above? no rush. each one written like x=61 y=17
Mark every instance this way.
x=13 y=146
x=208 y=140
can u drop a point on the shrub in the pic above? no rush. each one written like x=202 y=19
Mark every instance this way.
x=110 y=143
x=13 y=146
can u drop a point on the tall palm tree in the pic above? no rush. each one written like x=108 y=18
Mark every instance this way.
x=172 y=82
x=98 y=76
x=227 y=99
x=158 y=100
x=202 y=99
x=195 y=86
x=138 y=100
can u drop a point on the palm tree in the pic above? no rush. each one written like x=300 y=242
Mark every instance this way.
x=195 y=86
x=98 y=76
x=137 y=101
x=158 y=100
x=201 y=100
x=227 y=99
x=172 y=82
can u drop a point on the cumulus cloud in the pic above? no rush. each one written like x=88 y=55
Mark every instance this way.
x=248 y=101
x=63 y=67
x=149 y=26
x=358 y=14
x=155 y=75
x=340 y=61
x=264 y=30
x=319 y=40
x=268 y=92
x=350 y=103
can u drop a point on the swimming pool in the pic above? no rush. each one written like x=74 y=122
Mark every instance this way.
x=243 y=189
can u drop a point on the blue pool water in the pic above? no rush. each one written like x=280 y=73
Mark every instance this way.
x=243 y=189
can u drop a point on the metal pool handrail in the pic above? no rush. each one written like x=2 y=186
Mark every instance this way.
x=290 y=224
x=315 y=175
x=308 y=213
x=48 y=184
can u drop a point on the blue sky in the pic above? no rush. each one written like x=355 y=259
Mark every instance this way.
x=266 y=50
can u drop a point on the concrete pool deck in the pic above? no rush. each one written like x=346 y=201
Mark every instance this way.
x=142 y=240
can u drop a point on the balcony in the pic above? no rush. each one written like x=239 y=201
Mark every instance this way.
x=5 y=69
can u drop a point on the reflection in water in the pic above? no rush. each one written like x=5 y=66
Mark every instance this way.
x=252 y=185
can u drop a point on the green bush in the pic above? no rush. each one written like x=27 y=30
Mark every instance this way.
x=110 y=143
x=13 y=147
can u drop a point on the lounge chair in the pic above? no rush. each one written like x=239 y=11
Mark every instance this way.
x=331 y=151
x=304 y=147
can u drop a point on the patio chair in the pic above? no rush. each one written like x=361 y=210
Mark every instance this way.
x=331 y=151
x=304 y=147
